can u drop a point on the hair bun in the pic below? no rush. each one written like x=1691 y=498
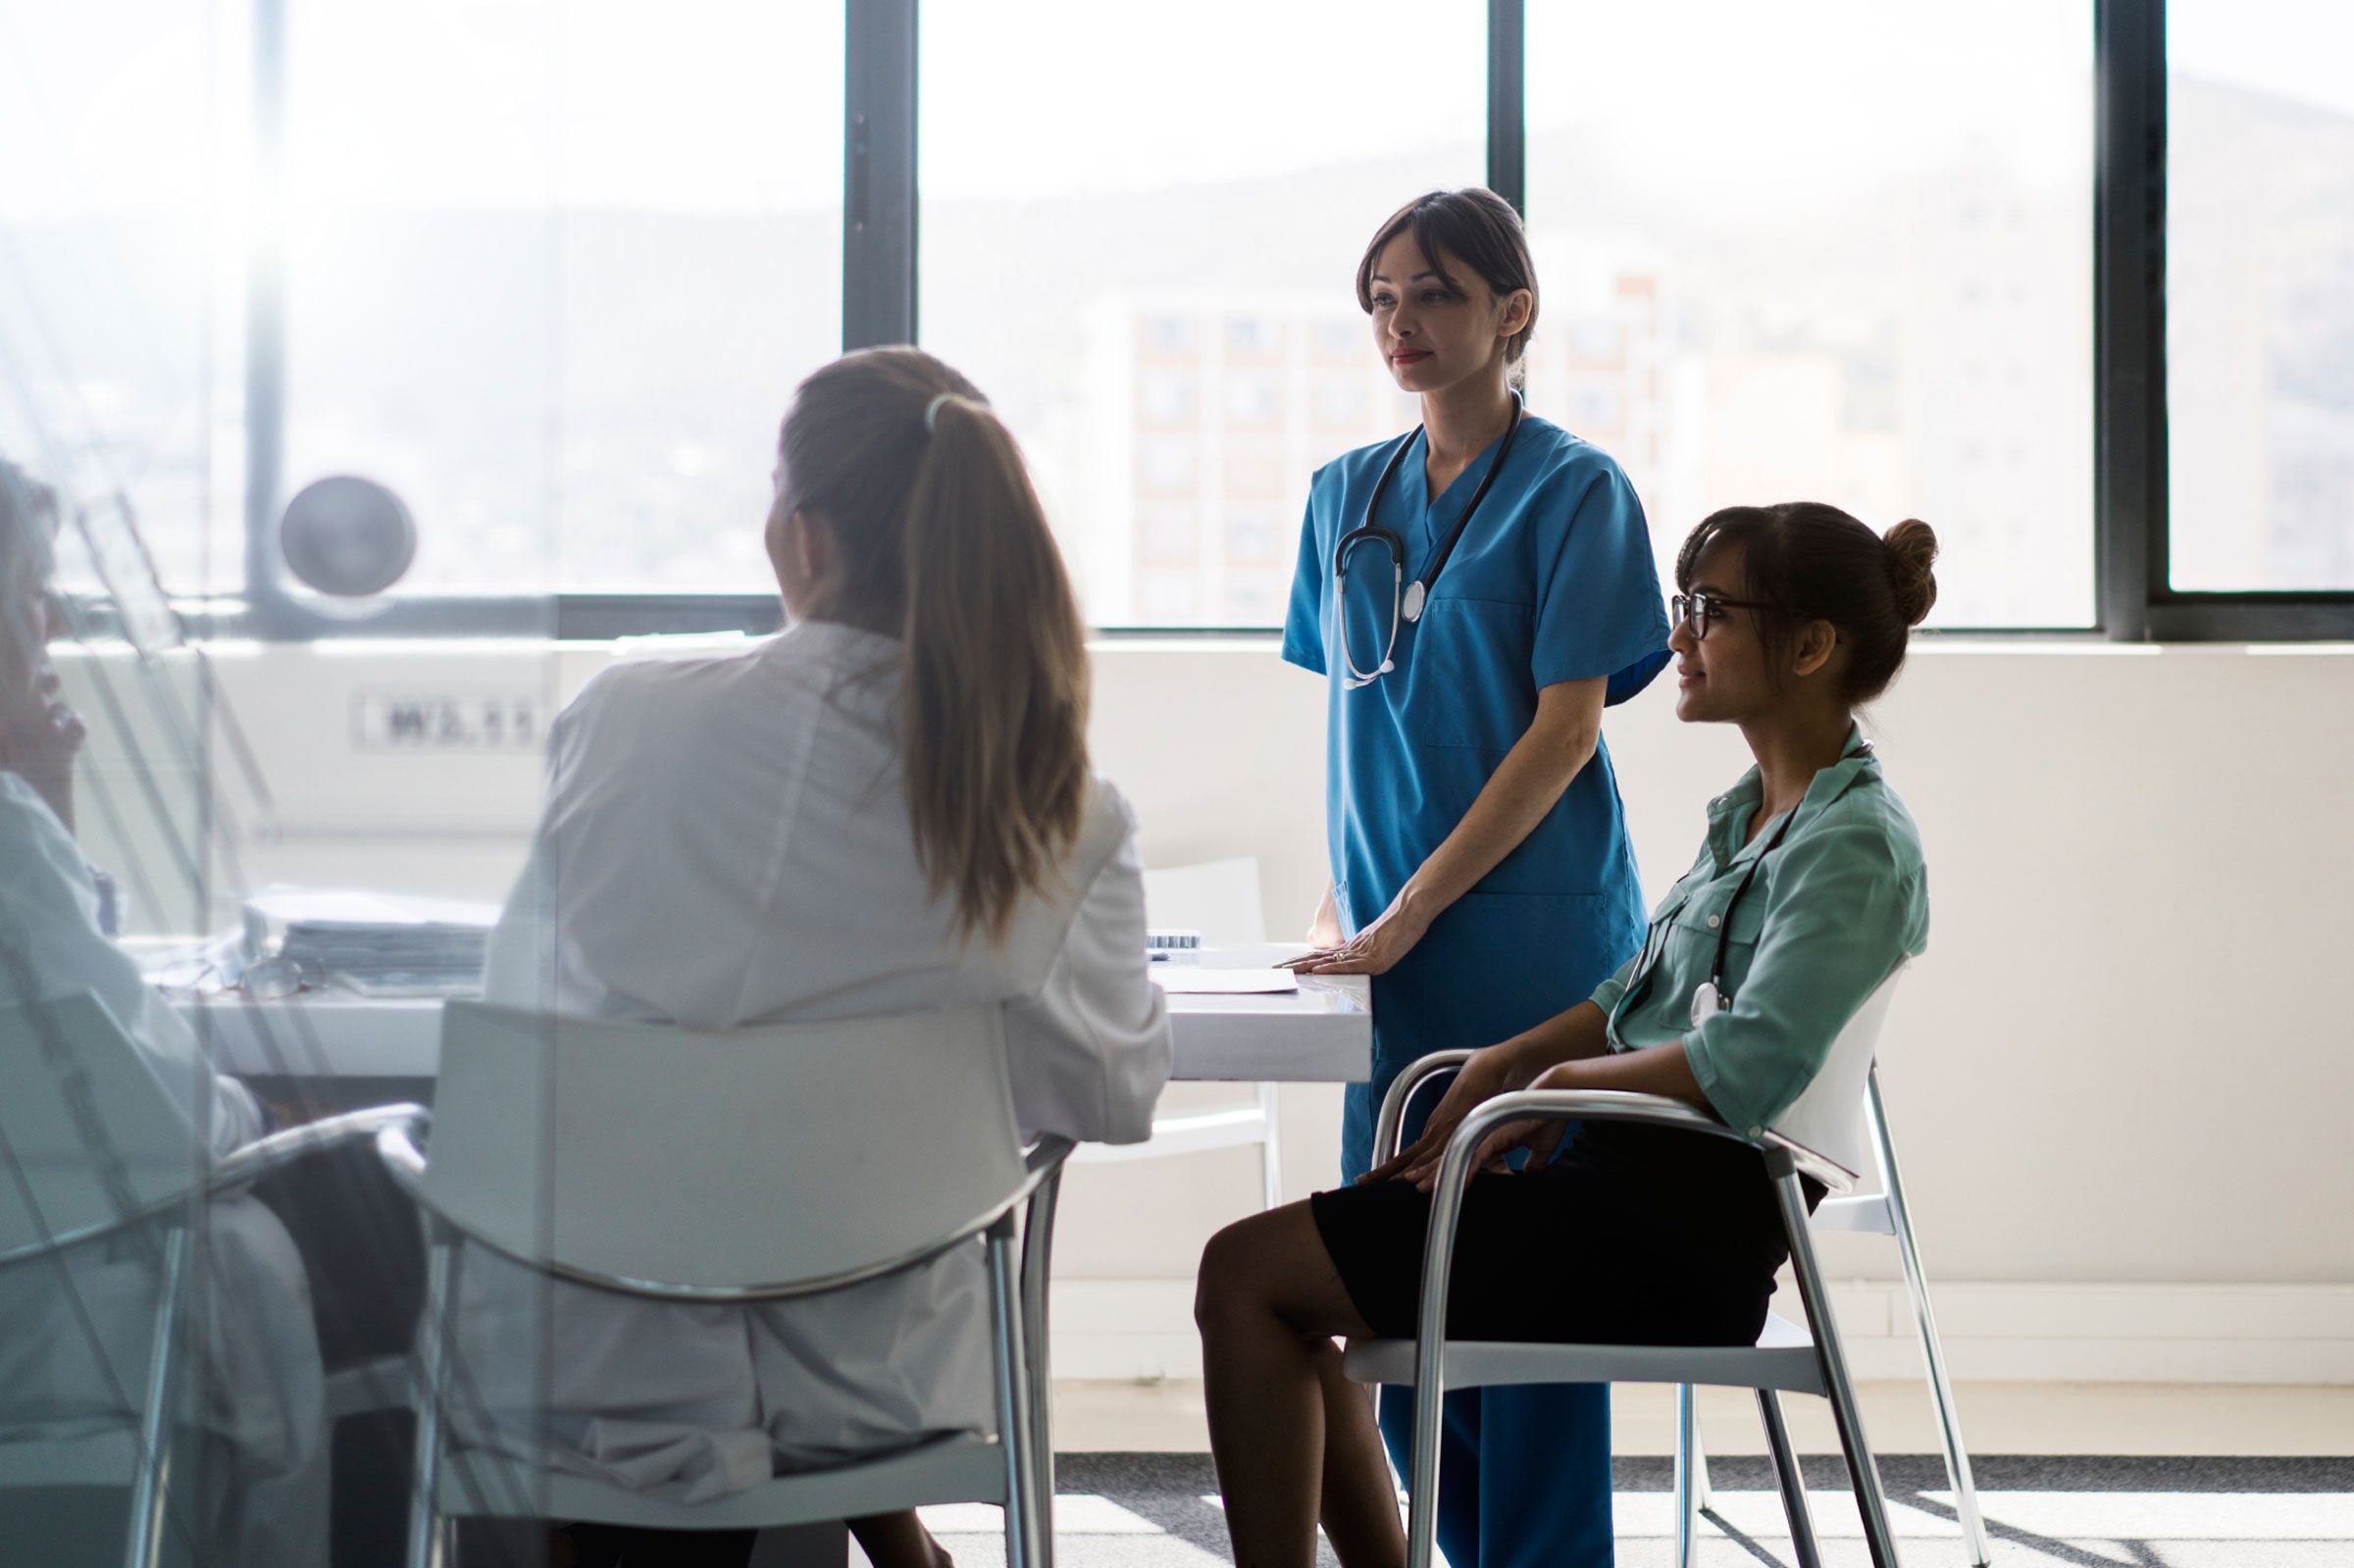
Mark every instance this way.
x=1911 y=553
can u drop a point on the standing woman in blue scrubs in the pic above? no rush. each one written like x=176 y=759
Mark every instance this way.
x=1497 y=588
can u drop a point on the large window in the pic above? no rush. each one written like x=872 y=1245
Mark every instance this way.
x=1140 y=236
x=110 y=274
x=1834 y=250
x=2067 y=278
x=553 y=266
x=2260 y=295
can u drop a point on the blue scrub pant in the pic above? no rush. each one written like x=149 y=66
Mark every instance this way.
x=1524 y=1473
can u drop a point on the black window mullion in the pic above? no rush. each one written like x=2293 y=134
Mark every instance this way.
x=2129 y=451
x=1508 y=101
x=878 y=206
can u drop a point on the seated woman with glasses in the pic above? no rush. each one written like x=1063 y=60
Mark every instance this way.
x=1789 y=617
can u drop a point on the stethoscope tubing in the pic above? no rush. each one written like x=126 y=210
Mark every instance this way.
x=1647 y=961
x=1405 y=603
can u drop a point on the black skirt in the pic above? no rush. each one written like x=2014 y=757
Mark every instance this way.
x=1633 y=1236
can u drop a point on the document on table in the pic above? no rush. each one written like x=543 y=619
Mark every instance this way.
x=1180 y=980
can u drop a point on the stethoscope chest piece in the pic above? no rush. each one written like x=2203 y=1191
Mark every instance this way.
x=1407 y=599
x=1706 y=1002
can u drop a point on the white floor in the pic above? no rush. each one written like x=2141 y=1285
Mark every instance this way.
x=2028 y=1418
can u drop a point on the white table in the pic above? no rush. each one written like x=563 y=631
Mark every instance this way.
x=1322 y=1032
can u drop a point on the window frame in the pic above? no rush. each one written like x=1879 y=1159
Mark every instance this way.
x=2139 y=600
x=2135 y=601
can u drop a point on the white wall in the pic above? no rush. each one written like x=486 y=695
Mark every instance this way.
x=2126 y=1062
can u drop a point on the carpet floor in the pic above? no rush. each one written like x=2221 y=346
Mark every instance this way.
x=1162 y=1511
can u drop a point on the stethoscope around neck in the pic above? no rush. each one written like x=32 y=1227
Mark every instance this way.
x=1709 y=998
x=1407 y=599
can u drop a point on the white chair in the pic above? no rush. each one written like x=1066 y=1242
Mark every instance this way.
x=1219 y=899
x=1818 y=1136
x=1881 y=1213
x=620 y=1156
x=97 y=1151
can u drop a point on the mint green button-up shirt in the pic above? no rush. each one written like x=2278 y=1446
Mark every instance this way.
x=1833 y=909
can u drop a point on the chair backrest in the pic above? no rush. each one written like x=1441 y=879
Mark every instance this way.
x=769 y=1156
x=95 y=1134
x=1219 y=899
x=1829 y=1116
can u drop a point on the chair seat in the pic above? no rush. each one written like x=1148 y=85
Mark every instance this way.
x=381 y=1383
x=954 y=1469
x=76 y=1454
x=1866 y=1213
x=1242 y=1127
x=1783 y=1358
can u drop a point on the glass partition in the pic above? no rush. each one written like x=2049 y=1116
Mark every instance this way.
x=213 y=994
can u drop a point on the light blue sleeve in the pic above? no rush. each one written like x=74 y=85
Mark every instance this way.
x=1599 y=610
x=1842 y=907
x=1606 y=995
x=1312 y=583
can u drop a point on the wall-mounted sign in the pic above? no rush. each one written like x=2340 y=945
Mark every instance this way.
x=446 y=723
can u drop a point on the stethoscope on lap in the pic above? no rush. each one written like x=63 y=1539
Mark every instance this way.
x=1407 y=599
x=1709 y=997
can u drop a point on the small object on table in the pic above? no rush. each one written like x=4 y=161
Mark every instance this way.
x=1169 y=944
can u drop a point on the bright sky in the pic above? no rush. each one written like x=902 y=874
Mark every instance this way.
x=736 y=105
x=2301 y=49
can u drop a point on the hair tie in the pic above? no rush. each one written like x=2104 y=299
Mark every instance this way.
x=932 y=412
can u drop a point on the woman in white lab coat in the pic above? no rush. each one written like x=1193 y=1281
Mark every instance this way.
x=886 y=808
x=73 y=1337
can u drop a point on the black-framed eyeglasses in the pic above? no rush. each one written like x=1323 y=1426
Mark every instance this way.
x=1697 y=611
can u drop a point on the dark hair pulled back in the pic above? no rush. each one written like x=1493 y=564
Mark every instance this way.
x=1478 y=229
x=1807 y=561
x=938 y=528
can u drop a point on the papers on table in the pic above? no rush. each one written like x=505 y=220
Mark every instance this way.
x=376 y=943
x=1180 y=980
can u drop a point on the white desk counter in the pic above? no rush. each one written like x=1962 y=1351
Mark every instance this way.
x=1322 y=1032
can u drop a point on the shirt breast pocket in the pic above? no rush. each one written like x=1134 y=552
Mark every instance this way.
x=1712 y=917
x=1467 y=673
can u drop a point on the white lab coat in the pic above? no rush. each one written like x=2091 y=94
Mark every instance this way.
x=73 y=1342
x=726 y=843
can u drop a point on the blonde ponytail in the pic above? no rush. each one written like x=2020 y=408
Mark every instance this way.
x=940 y=529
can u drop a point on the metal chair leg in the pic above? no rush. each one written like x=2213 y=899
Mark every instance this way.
x=1703 y=1499
x=1792 y=1481
x=1038 y=1232
x=151 y=1489
x=1690 y=1478
x=1870 y=1503
x=1932 y=1352
x=429 y=1546
x=1026 y=1543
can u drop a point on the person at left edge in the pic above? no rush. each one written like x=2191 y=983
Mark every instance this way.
x=1481 y=866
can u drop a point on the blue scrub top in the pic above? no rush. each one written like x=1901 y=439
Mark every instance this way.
x=1552 y=580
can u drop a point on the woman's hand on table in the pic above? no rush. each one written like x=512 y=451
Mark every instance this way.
x=1374 y=950
x=1489 y=1073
